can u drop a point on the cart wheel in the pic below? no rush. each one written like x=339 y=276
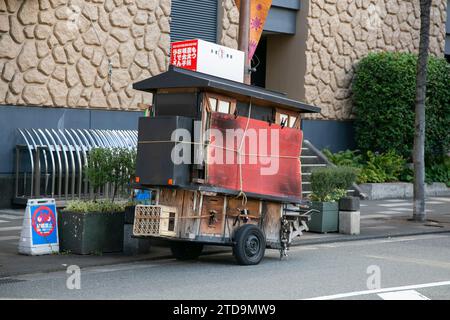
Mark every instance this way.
x=186 y=250
x=250 y=245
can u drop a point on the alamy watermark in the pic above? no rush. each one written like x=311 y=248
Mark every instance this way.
x=228 y=146
x=374 y=279
x=74 y=279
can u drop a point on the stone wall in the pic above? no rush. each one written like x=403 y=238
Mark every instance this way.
x=340 y=32
x=230 y=24
x=51 y=54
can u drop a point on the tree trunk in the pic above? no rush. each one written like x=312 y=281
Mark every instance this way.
x=419 y=125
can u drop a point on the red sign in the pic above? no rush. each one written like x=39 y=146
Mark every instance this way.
x=43 y=221
x=184 y=54
x=270 y=163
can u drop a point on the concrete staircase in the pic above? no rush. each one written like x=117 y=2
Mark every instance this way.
x=311 y=158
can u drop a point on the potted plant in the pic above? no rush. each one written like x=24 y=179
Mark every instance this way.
x=91 y=227
x=328 y=186
x=97 y=226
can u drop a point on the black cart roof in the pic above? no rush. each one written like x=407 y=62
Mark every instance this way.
x=183 y=78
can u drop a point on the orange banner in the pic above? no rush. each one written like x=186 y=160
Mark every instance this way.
x=259 y=10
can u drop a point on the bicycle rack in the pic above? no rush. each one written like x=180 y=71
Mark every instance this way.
x=56 y=160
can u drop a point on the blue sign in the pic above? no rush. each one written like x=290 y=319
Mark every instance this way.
x=43 y=224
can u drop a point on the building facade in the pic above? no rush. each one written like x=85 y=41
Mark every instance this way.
x=72 y=63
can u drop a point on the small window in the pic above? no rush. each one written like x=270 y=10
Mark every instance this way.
x=213 y=104
x=288 y=118
x=218 y=103
x=224 y=106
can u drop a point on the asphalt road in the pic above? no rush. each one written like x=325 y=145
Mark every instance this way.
x=409 y=267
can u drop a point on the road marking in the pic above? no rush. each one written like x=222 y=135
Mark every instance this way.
x=376 y=291
x=10 y=216
x=395 y=204
x=10 y=228
x=3 y=221
x=373 y=216
x=5 y=238
x=403 y=295
x=13 y=212
x=442 y=199
x=388 y=212
x=430 y=263
x=396 y=200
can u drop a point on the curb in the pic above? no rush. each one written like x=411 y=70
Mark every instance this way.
x=358 y=238
x=295 y=244
x=131 y=260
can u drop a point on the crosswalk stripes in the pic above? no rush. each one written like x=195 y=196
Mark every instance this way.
x=11 y=217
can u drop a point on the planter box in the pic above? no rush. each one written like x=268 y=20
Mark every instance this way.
x=401 y=190
x=349 y=204
x=91 y=232
x=129 y=214
x=327 y=219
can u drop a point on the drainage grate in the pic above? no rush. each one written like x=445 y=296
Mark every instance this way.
x=9 y=280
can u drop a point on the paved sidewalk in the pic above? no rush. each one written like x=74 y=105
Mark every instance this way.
x=390 y=218
x=379 y=219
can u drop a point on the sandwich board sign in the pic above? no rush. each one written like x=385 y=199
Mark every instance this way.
x=40 y=228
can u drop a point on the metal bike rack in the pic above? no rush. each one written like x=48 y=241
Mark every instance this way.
x=55 y=160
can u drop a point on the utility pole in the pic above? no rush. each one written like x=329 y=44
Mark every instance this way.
x=244 y=35
x=419 y=213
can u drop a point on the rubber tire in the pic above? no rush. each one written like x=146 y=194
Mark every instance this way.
x=186 y=250
x=249 y=232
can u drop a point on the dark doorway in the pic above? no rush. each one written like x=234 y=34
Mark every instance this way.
x=259 y=62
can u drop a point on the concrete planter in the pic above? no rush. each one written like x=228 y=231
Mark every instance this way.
x=349 y=222
x=349 y=204
x=129 y=214
x=87 y=233
x=327 y=219
x=400 y=190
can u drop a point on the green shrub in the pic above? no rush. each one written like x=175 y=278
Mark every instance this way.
x=439 y=172
x=331 y=183
x=386 y=167
x=110 y=165
x=80 y=206
x=346 y=158
x=384 y=100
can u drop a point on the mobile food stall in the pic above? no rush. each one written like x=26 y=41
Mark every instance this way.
x=223 y=161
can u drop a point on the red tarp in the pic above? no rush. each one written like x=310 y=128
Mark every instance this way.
x=258 y=175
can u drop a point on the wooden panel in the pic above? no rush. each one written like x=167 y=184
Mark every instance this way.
x=233 y=204
x=272 y=220
x=210 y=203
x=173 y=198
x=188 y=225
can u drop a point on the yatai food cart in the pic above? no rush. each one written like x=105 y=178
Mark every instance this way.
x=223 y=161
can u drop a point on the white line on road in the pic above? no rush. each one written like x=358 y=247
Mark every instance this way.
x=376 y=291
x=3 y=221
x=395 y=204
x=5 y=238
x=10 y=217
x=403 y=295
x=10 y=228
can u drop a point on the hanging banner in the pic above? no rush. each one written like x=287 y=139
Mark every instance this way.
x=259 y=10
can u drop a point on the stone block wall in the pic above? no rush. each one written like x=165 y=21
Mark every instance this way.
x=81 y=53
x=341 y=32
x=229 y=24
